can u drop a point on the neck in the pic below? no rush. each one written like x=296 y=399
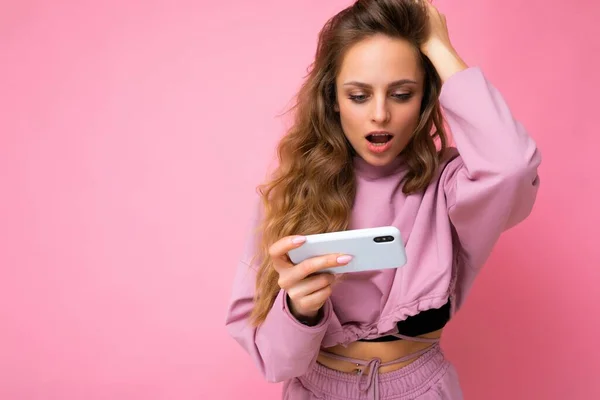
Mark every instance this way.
x=369 y=171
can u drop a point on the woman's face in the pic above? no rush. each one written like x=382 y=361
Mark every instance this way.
x=379 y=90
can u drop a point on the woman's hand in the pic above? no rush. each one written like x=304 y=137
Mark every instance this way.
x=438 y=47
x=307 y=289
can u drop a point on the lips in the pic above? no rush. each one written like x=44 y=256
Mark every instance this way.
x=379 y=142
x=379 y=137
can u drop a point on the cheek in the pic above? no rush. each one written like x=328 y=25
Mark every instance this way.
x=407 y=117
x=353 y=120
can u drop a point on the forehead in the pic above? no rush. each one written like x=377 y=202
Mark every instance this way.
x=378 y=60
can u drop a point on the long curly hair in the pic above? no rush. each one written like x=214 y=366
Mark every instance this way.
x=312 y=190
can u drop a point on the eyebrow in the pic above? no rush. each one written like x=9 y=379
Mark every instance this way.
x=399 y=82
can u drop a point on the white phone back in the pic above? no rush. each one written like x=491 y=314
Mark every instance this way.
x=367 y=254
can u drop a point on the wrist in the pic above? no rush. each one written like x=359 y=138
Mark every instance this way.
x=444 y=58
x=307 y=318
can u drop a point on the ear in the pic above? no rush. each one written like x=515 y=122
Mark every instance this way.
x=336 y=107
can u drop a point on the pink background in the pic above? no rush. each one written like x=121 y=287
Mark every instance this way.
x=132 y=134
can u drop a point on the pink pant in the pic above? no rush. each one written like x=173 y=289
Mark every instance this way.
x=430 y=377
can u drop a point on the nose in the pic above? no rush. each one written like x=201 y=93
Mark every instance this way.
x=380 y=113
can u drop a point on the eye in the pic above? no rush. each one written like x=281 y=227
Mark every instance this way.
x=402 y=96
x=358 y=98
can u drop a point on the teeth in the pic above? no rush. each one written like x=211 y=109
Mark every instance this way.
x=377 y=142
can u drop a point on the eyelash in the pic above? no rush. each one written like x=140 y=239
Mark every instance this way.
x=362 y=98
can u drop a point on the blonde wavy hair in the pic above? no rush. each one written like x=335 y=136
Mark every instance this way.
x=313 y=188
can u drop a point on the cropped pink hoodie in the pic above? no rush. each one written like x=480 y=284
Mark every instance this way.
x=484 y=186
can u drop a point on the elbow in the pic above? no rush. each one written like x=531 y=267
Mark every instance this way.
x=279 y=363
x=520 y=176
x=523 y=184
x=524 y=164
x=274 y=377
x=515 y=184
x=277 y=374
x=273 y=366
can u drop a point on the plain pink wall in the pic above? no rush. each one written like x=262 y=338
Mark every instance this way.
x=132 y=134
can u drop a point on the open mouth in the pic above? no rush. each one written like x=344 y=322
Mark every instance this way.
x=379 y=139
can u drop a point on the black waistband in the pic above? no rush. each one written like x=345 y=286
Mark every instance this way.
x=424 y=322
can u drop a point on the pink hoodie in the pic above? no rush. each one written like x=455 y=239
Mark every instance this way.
x=449 y=231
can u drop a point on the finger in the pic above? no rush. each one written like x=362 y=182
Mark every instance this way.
x=314 y=301
x=278 y=251
x=310 y=285
x=316 y=264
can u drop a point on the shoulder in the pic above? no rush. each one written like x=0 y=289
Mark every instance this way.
x=450 y=163
x=448 y=155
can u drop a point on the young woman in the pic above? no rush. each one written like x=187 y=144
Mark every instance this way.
x=368 y=148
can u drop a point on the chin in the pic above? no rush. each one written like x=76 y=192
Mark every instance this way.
x=380 y=160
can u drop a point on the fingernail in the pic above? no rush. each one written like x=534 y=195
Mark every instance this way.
x=344 y=259
x=298 y=240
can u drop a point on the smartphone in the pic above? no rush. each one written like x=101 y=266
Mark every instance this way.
x=371 y=248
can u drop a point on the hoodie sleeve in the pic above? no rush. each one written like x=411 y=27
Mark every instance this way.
x=281 y=347
x=493 y=183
